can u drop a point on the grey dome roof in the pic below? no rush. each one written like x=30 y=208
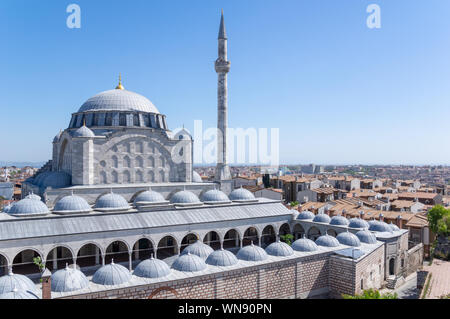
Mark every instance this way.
x=118 y=100
x=184 y=197
x=242 y=194
x=305 y=245
x=322 y=218
x=358 y=223
x=252 y=253
x=83 y=131
x=149 y=197
x=152 y=268
x=56 y=180
x=57 y=137
x=68 y=279
x=279 y=249
x=199 y=249
x=40 y=177
x=327 y=241
x=111 y=201
x=28 y=207
x=33 y=196
x=19 y=294
x=189 y=263
x=305 y=215
x=393 y=227
x=7 y=208
x=112 y=274
x=349 y=239
x=222 y=257
x=339 y=221
x=20 y=282
x=366 y=236
x=375 y=225
x=196 y=178
x=215 y=196
x=72 y=204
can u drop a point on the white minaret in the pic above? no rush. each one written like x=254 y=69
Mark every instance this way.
x=222 y=68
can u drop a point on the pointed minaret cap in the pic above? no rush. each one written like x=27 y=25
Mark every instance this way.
x=120 y=86
x=222 y=31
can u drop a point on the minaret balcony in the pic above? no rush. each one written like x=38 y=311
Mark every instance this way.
x=223 y=66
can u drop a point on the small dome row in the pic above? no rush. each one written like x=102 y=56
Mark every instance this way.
x=15 y=286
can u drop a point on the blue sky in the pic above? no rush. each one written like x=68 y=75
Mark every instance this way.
x=339 y=91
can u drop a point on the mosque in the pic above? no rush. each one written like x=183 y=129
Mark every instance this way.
x=119 y=212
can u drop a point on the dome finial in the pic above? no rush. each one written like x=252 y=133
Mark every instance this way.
x=120 y=86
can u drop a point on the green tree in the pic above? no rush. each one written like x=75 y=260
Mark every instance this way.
x=371 y=294
x=293 y=204
x=435 y=217
x=288 y=238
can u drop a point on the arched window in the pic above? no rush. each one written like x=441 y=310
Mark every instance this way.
x=187 y=240
x=167 y=247
x=313 y=233
x=212 y=239
x=151 y=176
x=151 y=162
x=250 y=236
x=268 y=236
x=127 y=161
x=115 y=177
x=163 y=161
x=139 y=177
x=23 y=262
x=89 y=255
x=162 y=177
x=332 y=232
x=140 y=147
x=118 y=251
x=115 y=161
x=58 y=258
x=103 y=179
x=139 y=162
x=231 y=239
x=143 y=249
x=298 y=231
x=126 y=177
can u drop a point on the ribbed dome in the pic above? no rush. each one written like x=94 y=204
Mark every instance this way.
x=189 y=263
x=33 y=196
x=72 y=204
x=322 y=218
x=349 y=239
x=56 y=180
x=112 y=274
x=19 y=294
x=184 y=197
x=152 y=268
x=304 y=245
x=358 y=223
x=222 y=257
x=83 y=131
x=199 y=249
x=306 y=215
x=279 y=249
x=215 y=196
x=57 y=137
x=242 y=195
x=7 y=208
x=40 y=177
x=366 y=237
x=118 y=100
x=68 y=279
x=20 y=282
x=327 y=241
x=28 y=207
x=375 y=225
x=393 y=227
x=111 y=201
x=252 y=253
x=149 y=197
x=196 y=178
x=339 y=221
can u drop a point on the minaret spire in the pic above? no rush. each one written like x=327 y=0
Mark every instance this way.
x=222 y=30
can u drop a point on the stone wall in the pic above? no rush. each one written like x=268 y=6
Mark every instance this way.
x=415 y=259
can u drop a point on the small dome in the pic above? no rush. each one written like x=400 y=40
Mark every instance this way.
x=83 y=131
x=7 y=208
x=28 y=207
x=322 y=218
x=242 y=195
x=393 y=227
x=339 y=221
x=33 y=196
x=68 y=279
x=152 y=268
x=56 y=180
x=306 y=215
x=358 y=223
x=19 y=294
x=327 y=241
x=252 y=253
x=184 y=197
x=279 y=249
x=304 y=245
x=111 y=201
x=222 y=257
x=196 y=178
x=189 y=263
x=20 y=282
x=366 y=237
x=375 y=225
x=72 y=204
x=349 y=239
x=215 y=196
x=149 y=197
x=112 y=274
x=199 y=249
x=38 y=179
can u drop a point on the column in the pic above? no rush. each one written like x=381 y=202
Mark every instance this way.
x=97 y=256
x=55 y=258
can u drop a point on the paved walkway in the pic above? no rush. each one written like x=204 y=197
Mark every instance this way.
x=440 y=280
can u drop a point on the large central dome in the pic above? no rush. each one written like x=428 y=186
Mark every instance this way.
x=118 y=100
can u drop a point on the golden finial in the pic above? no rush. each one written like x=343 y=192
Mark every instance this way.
x=120 y=86
x=84 y=122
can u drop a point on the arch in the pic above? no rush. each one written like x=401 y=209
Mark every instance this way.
x=126 y=161
x=268 y=236
x=139 y=177
x=139 y=147
x=391 y=266
x=232 y=239
x=151 y=162
x=250 y=235
x=212 y=239
x=162 y=160
x=117 y=250
x=103 y=178
x=298 y=232
x=143 y=249
x=285 y=229
x=126 y=177
x=65 y=157
x=115 y=161
x=139 y=162
x=332 y=232
x=166 y=293
x=115 y=177
x=4 y=264
x=187 y=240
x=23 y=262
x=89 y=254
x=167 y=247
x=151 y=176
x=58 y=257
x=314 y=233
x=162 y=176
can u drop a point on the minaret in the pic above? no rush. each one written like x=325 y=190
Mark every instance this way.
x=222 y=68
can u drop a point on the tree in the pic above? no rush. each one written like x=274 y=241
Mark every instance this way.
x=371 y=294
x=438 y=217
x=293 y=204
x=288 y=238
